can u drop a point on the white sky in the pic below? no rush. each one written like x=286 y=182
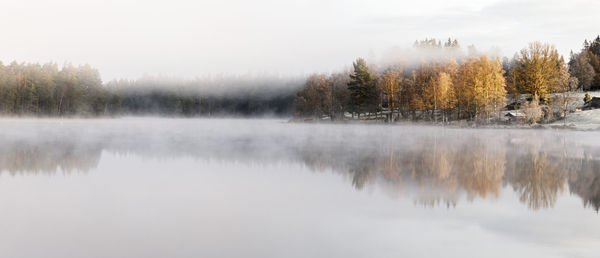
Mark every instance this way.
x=127 y=38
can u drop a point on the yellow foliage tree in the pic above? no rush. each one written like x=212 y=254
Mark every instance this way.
x=480 y=87
x=390 y=83
x=539 y=70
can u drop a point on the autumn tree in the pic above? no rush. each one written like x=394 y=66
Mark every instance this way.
x=424 y=84
x=442 y=90
x=312 y=100
x=444 y=97
x=411 y=96
x=390 y=83
x=539 y=70
x=480 y=87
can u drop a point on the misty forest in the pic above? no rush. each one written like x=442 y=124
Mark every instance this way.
x=435 y=81
x=445 y=84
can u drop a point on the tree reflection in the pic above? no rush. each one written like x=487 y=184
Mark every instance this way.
x=481 y=167
x=586 y=182
x=537 y=179
x=435 y=167
x=48 y=157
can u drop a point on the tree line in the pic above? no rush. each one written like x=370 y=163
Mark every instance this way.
x=33 y=89
x=210 y=96
x=446 y=84
x=585 y=65
x=443 y=84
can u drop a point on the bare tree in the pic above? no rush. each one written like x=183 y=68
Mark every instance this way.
x=565 y=99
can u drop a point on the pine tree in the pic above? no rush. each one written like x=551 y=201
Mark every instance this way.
x=363 y=91
x=593 y=51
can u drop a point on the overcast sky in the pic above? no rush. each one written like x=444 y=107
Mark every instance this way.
x=129 y=38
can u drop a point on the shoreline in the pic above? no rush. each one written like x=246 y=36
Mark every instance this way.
x=555 y=125
x=467 y=125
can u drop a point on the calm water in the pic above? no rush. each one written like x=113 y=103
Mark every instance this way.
x=267 y=188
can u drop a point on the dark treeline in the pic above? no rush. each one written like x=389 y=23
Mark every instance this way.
x=585 y=65
x=440 y=82
x=50 y=90
x=243 y=95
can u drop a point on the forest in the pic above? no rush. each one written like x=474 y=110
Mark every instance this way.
x=29 y=89
x=443 y=83
x=439 y=82
x=208 y=96
x=46 y=90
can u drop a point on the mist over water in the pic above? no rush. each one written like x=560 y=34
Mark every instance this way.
x=267 y=188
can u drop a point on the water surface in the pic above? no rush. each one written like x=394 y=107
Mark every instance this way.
x=267 y=188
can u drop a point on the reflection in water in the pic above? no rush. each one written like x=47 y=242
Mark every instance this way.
x=585 y=182
x=23 y=156
x=538 y=178
x=434 y=165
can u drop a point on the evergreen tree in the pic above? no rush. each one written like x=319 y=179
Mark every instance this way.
x=363 y=90
x=593 y=49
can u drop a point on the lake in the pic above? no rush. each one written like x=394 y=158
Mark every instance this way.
x=151 y=187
